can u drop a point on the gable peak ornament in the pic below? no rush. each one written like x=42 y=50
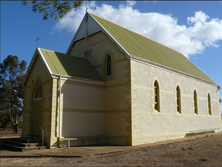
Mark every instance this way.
x=37 y=41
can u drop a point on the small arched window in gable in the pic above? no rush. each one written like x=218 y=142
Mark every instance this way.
x=108 y=66
x=38 y=92
x=209 y=104
x=195 y=101
x=156 y=96
x=178 y=95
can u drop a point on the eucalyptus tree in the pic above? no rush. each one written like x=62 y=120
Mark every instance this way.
x=53 y=8
x=12 y=73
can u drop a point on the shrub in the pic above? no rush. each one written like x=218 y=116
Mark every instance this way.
x=204 y=159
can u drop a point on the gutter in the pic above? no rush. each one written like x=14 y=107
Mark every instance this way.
x=58 y=119
x=77 y=79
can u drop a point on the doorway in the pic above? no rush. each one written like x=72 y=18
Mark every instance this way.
x=37 y=111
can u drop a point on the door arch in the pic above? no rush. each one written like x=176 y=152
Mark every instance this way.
x=37 y=109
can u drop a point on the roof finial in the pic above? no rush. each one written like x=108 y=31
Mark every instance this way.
x=37 y=41
x=86 y=6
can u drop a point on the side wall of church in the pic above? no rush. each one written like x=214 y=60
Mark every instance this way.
x=82 y=111
x=38 y=75
x=149 y=125
x=117 y=89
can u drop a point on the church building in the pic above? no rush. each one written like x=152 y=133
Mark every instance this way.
x=118 y=87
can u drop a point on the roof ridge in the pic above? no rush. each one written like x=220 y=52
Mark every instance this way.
x=64 y=54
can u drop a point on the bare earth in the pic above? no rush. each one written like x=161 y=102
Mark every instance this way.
x=201 y=151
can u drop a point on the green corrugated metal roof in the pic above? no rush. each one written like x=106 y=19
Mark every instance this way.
x=143 y=47
x=64 y=64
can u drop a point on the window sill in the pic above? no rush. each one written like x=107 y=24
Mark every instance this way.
x=155 y=112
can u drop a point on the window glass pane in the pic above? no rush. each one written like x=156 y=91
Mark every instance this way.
x=209 y=104
x=195 y=102
x=156 y=96
x=108 y=66
x=178 y=99
x=38 y=93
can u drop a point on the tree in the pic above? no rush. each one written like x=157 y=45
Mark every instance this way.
x=4 y=118
x=53 y=8
x=4 y=113
x=11 y=90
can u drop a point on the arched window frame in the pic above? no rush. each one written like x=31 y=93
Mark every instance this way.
x=38 y=92
x=178 y=99
x=195 y=102
x=156 y=94
x=209 y=104
x=108 y=66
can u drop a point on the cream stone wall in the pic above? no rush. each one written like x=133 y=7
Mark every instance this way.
x=77 y=95
x=38 y=74
x=149 y=125
x=83 y=108
x=54 y=128
x=117 y=89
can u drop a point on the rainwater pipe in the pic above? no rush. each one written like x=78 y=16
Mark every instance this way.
x=59 y=106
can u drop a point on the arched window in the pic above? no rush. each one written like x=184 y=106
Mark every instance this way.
x=178 y=95
x=209 y=104
x=108 y=66
x=156 y=96
x=195 y=101
x=38 y=92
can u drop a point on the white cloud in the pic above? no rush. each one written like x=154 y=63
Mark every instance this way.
x=131 y=3
x=200 y=33
x=199 y=17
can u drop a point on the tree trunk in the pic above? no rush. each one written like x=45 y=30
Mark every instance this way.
x=16 y=128
x=5 y=126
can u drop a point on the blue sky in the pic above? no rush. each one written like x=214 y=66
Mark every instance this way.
x=193 y=28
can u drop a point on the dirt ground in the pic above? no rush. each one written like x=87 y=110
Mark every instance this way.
x=201 y=151
x=9 y=132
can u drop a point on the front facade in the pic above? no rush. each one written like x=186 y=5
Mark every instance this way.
x=105 y=86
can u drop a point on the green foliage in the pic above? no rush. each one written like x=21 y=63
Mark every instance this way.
x=20 y=123
x=11 y=90
x=80 y=161
x=53 y=9
x=4 y=119
x=204 y=159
